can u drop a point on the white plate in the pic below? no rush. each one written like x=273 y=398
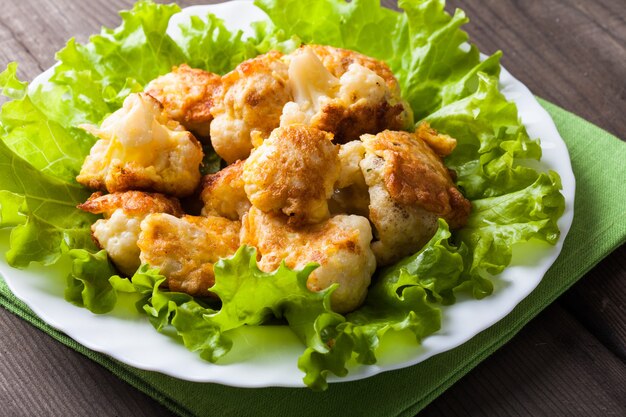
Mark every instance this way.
x=267 y=356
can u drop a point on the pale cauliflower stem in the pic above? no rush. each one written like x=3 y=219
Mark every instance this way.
x=250 y=104
x=141 y=148
x=343 y=92
x=340 y=245
x=409 y=189
x=123 y=212
x=223 y=193
x=185 y=249
x=293 y=172
x=187 y=96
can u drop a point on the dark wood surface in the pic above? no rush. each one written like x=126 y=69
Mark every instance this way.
x=568 y=361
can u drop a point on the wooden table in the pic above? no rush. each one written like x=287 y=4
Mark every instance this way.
x=568 y=361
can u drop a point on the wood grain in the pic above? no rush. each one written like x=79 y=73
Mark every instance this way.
x=568 y=361
x=41 y=377
x=543 y=371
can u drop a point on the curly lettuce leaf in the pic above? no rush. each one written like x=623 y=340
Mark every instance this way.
x=355 y=25
x=206 y=43
x=88 y=284
x=400 y=299
x=249 y=296
x=437 y=268
x=45 y=210
x=498 y=223
x=10 y=85
x=92 y=80
x=44 y=144
x=491 y=142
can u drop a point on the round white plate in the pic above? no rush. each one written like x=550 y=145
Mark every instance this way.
x=267 y=356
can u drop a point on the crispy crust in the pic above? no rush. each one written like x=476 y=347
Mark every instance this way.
x=186 y=249
x=415 y=175
x=340 y=245
x=293 y=172
x=133 y=203
x=349 y=123
x=443 y=145
x=250 y=101
x=187 y=95
x=223 y=193
x=162 y=157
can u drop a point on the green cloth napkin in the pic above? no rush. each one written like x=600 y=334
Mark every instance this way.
x=599 y=227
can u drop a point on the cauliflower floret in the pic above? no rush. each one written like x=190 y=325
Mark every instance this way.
x=223 y=193
x=340 y=245
x=409 y=188
x=350 y=156
x=118 y=232
x=250 y=105
x=350 y=194
x=293 y=171
x=141 y=148
x=185 y=249
x=343 y=92
x=187 y=96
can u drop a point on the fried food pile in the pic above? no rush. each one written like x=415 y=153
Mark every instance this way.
x=324 y=165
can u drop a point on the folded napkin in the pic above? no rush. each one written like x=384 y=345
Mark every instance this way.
x=599 y=227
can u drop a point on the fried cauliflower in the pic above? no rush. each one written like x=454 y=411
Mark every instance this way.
x=249 y=105
x=293 y=172
x=340 y=245
x=350 y=192
x=409 y=189
x=187 y=96
x=123 y=212
x=223 y=193
x=185 y=249
x=343 y=92
x=141 y=148
x=321 y=169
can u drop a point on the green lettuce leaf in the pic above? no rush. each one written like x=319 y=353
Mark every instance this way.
x=44 y=209
x=206 y=43
x=88 y=284
x=491 y=142
x=248 y=295
x=10 y=85
x=498 y=223
x=165 y=309
x=398 y=300
x=92 y=80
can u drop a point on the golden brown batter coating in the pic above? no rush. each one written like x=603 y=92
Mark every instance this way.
x=187 y=96
x=409 y=188
x=123 y=212
x=141 y=148
x=249 y=104
x=442 y=144
x=185 y=249
x=293 y=172
x=223 y=193
x=132 y=203
x=340 y=245
x=343 y=92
